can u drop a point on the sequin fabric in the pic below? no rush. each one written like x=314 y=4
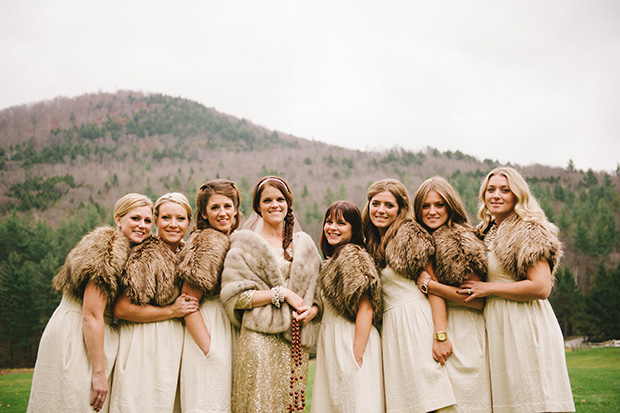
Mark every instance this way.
x=262 y=371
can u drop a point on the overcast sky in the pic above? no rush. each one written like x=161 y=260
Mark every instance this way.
x=523 y=81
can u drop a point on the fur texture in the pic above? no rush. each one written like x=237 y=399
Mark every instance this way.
x=521 y=244
x=458 y=253
x=251 y=264
x=150 y=274
x=410 y=250
x=98 y=258
x=346 y=277
x=200 y=263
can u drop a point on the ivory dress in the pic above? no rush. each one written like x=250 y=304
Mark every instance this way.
x=467 y=366
x=340 y=385
x=62 y=379
x=206 y=381
x=149 y=356
x=414 y=381
x=526 y=353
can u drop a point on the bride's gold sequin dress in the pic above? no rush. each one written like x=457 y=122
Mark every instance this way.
x=263 y=363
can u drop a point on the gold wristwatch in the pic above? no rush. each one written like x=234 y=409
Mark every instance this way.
x=440 y=336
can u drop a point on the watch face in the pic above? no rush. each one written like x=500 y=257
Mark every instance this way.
x=441 y=336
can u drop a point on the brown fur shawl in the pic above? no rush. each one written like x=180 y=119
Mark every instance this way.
x=98 y=258
x=150 y=274
x=521 y=244
x=458 y=253
x=410 y=250
x=251 y=264
x=200 y=263
x=346 y=277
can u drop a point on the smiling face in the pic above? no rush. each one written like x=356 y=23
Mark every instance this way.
x=434 y=211
x=272 y=206
x=498 y=198
x=220 y=212
x=383 y=210
x=172 y=224
x=136 y=224
x=337 y=231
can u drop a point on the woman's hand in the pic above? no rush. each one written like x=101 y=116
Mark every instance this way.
x=306 y=315
x=294 y=300
x=442 y=350
x=474 y=289
x=100 y=391
x=185 y=304
x=422 y=279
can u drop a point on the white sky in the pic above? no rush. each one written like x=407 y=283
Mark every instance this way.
x=523 y=81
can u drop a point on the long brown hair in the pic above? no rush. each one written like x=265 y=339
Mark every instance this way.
x=454 y=204
x=220 y=187
x=349 y=212
x=289 y=220
x=374 y=242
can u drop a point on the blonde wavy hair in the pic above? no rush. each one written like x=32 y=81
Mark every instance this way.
x=526 y=207
x=374 y=242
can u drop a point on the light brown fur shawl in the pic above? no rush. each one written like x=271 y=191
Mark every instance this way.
x=520 y=244
x=200 y=263
x=98 y=258
x=251 y=264
x=150 y=274
x=458 y=254
x=346 y=277
x=410 y=250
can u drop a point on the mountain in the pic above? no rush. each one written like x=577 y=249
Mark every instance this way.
x=65 y=162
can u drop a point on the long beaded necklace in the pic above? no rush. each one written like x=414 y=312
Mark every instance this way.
x=298 y=397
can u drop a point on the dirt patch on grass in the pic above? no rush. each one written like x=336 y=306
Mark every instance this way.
x=15 y=371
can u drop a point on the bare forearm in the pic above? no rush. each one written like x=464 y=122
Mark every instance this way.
x=199 y=331
x=449 y=293
x=93 y=332
x=363 y=326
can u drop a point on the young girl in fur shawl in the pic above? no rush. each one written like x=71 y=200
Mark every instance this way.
x=526 y=347
x=79 y=345
x=206 y=367
x=348 y=375
x=151 y=336
x=459 y=256
x=415 y=377
x=268 y=285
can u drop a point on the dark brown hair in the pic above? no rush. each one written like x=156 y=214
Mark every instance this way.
x=289 y=220
x=221 y=187
x=349 y=212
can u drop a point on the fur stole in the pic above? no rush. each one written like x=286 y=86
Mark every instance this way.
x=458 y=253
x=98 y=258
x=200 y=263
x=519 y=245
x=150 y=274
x=251 y=264
x=346 y=277
x=410 y=250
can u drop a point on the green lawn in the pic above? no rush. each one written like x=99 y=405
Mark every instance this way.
x=594 y=375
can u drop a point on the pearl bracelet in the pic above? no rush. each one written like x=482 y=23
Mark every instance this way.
x=277 y=296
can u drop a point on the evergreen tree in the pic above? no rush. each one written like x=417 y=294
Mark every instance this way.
x=603 y=305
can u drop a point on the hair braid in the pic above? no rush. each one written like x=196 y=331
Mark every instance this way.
x=289 y=223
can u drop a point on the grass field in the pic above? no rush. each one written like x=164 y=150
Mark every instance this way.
x=594 y=375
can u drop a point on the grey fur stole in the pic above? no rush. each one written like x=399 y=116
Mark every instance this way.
x=251 y=264
x=458 y=253
x=150 y=274
x=98 y=258
x=200 y=263
x=410 y=250
x=346 y=277
x=519 y=245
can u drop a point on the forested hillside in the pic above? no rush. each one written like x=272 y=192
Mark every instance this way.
x=64 y=162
